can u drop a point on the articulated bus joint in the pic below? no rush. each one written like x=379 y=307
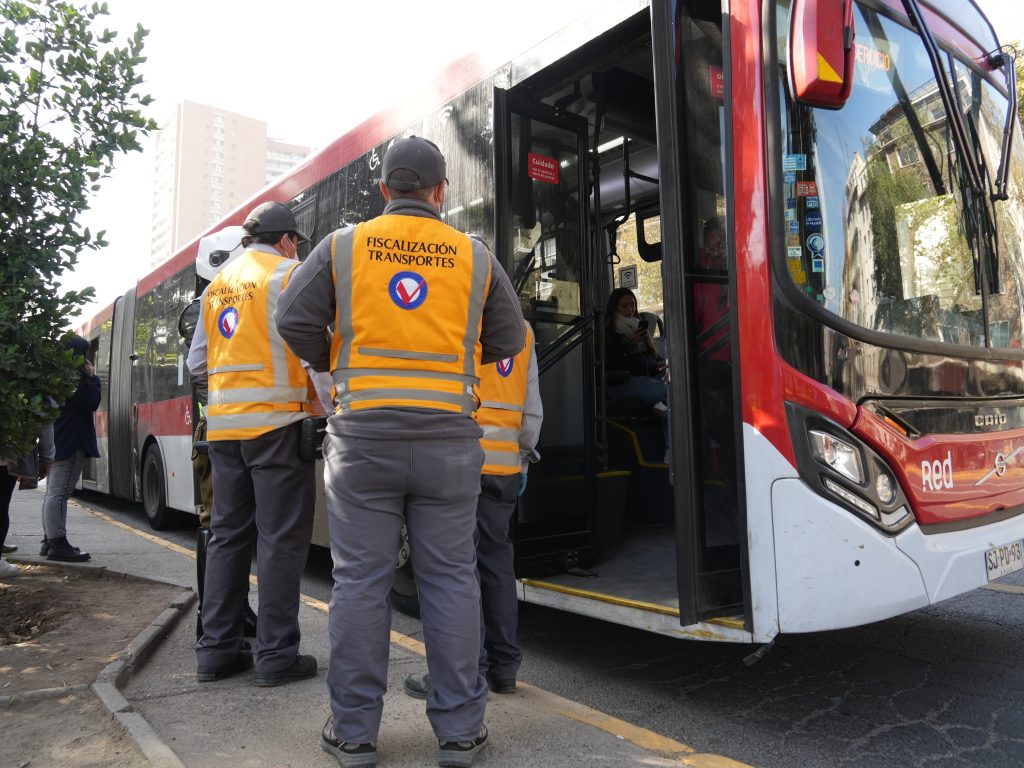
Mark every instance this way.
x=838 y=465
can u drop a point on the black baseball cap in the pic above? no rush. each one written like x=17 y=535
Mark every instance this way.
x=272 y=217
x=413 y=163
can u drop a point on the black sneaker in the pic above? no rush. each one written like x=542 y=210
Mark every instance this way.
x=460 y=754
x=347 y=754
x=417 y=685
x=44 y=547
x=60 y=549
x=242 y=662
x=302 y=668
x=9 y=548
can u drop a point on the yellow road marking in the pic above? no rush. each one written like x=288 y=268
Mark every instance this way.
x=647 y=740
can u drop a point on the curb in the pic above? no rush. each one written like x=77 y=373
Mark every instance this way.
x=111 y=678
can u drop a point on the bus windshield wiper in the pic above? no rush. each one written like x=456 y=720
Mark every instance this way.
x=1006 y=61
x=954 y=118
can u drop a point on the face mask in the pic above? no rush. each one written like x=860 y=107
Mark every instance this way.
x=627 y=326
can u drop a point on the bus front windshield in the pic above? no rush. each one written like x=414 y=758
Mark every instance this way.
x=875 y=225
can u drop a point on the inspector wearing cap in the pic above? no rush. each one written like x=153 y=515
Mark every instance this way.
x=418 y=308
x=259 y=392
x=216 y=251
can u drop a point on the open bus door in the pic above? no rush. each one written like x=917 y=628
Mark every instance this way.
x=698 y=268
x=543 y=244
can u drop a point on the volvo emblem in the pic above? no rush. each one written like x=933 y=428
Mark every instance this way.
x=1000 y=464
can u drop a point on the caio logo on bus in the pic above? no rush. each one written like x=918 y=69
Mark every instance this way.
x=937 y=475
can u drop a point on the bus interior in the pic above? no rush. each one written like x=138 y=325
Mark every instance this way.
x=604 y=516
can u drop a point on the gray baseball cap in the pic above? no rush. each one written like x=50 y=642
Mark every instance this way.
x=272 y=217
x=413 y=163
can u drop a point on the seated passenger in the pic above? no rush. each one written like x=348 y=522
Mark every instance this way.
x=629 y=348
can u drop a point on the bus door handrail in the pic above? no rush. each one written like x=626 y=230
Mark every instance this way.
x=577 y=332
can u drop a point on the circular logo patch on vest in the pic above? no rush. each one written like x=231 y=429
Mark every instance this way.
x=505 y=366
x=227 y=322
x=408 y=290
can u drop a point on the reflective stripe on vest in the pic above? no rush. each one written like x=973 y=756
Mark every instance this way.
x=502 y=402
x=256 y=383
x=409 y=292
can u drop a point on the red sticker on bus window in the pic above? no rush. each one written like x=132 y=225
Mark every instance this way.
x=717 y=82
x=542 y=168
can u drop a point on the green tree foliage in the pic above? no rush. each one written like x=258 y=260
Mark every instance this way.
x=69 y=103
x=887 y=191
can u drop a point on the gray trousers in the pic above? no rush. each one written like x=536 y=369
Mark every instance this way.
x=495 y=556
x=60 y=482
x=265 y=496
x=373 y=487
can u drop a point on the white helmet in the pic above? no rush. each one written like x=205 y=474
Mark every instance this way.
x=218 y=250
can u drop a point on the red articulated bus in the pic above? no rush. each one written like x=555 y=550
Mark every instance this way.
x=819 y=206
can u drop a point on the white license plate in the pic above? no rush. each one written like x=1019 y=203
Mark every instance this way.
x=1000 y=561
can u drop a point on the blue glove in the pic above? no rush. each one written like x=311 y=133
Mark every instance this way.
x=522 y=484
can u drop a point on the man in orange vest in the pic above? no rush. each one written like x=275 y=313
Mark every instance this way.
x=510 y=415
x=418 y=308
x=259 y=392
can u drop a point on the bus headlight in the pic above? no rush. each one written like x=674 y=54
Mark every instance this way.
x=843 y=468
x=837 y=454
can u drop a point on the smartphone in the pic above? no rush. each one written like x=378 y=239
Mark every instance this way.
x=643 y=325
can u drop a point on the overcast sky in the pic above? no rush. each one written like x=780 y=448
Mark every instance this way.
x=311 y=69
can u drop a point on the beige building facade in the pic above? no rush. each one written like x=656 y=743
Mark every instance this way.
x=207 y=161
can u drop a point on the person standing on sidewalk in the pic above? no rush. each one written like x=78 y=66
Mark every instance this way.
x=74 y=436
x=216 y=251
x=33 y=467
x=417 y=308
x=510 y=415
x=259 y=394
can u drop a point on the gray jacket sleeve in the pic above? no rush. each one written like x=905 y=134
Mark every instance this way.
x=307 y=307
x=502 y=332
x=196 y=360
x=533 y=417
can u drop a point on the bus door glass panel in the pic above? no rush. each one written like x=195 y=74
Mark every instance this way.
x=546 y=248
x=92 y=467
x=710 y=544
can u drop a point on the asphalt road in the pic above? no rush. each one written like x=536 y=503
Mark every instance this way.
x=940 y=687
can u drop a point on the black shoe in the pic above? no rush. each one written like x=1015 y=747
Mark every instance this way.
x=8 y=548
x=60 y=549
x=417 y=685
x=347 y=754
x=501 y=684
x=459 y=754
x=242 y=662
x=303 y=668
x=44 y=548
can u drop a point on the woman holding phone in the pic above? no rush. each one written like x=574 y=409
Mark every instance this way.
x=630 y=349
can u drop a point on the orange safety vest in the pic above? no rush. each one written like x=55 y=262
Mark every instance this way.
x=502 y=401
x=410 y=293
x=257 y=384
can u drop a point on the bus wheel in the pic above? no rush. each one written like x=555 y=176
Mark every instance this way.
x=154 y=493
x=403 y=592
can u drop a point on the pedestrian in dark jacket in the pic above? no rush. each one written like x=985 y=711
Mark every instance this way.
x=74 y=435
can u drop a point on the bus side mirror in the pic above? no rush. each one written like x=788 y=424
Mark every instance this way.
x=821 y=52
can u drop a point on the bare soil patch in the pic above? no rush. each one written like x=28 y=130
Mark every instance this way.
x=60 y=627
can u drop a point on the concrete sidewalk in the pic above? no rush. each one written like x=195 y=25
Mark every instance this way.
x=234 y=723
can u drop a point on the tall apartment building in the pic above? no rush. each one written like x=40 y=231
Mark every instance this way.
x=207 y=161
